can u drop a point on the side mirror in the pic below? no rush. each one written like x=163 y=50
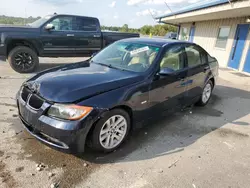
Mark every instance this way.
x=49 y=27
x=93 y=55
x=165 y=71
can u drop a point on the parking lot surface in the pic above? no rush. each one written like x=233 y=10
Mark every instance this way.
x=197 y=147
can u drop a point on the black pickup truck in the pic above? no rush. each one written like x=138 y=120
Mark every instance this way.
x=54 y=36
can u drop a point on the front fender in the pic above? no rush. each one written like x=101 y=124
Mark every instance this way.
x=133 y=96
x=14 y=39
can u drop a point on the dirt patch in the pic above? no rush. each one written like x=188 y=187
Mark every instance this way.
x=1 y=153
x=75 y=170
x=6 y=177
x=19 y=169
x=223 y=132
x=7 y=104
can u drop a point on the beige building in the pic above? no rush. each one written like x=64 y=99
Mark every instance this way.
x=222 y=27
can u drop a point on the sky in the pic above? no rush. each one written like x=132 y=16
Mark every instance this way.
x=135 y=13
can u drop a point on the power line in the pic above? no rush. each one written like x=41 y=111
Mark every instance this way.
x=168 y=7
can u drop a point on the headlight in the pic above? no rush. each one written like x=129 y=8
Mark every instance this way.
x=69 y=112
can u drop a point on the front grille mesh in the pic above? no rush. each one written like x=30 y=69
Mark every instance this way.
x=24 y=94
x=31 y=99
x=35 y=102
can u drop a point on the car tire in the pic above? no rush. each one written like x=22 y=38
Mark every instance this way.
x=206 y=94
x=107 y=139
x=23 y=59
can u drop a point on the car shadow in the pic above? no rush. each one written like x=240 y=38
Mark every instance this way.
x=172 y=133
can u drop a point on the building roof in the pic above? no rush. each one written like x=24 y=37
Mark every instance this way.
x=196 y=6
x=212 y=10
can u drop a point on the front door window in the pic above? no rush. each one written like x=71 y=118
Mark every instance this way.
x=63 y=23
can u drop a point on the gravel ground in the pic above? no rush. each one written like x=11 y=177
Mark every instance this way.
x=198 y=147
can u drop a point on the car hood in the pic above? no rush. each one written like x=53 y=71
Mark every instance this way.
x=79 y=81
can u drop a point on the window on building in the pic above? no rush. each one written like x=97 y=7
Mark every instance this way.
x=222 y=37
x=184 y=33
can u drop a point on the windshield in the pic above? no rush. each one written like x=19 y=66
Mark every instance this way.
x=174 y=35
x=127 y=56
x=40 y=22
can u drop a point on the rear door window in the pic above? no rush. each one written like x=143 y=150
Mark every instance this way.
x=85 y=24
x=195 y=55
x=173 y=59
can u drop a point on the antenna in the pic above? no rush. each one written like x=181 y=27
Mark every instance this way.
x=168 y=7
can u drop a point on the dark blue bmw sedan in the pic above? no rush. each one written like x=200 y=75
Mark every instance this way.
x=100 y=100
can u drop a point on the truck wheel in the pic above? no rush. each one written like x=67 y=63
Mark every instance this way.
x=23 y=59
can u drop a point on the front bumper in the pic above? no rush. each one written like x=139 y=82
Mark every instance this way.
x=44 y=137
x=61 y=134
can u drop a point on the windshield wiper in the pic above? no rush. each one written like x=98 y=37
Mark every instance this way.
x=107 y=65
x=110 y=66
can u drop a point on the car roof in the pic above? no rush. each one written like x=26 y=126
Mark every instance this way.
x=161 y=42
x=54 y=15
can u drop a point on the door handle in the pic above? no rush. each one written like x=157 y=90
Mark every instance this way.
x=70 y=35
x=96 y=36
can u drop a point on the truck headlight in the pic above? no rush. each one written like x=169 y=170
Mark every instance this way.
x=69 y=112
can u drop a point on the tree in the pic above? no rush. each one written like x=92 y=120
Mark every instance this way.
x=146 y=29
x=124 y=28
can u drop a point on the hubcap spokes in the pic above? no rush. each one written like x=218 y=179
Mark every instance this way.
x=206 y=93
x=113 y=131
x=23 y=60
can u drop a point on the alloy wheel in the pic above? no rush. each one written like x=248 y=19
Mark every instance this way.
x=113 y=132
x=23 y=60
x=206 y=93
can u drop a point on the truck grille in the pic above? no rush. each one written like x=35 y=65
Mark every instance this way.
x=31 y=99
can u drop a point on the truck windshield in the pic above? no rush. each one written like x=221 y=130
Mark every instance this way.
x=127 y=56
x=40 y=21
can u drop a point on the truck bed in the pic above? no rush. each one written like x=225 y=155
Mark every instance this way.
x=112 y=36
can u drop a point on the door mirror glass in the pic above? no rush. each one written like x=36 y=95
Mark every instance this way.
x=49 y=26
x=93 y=55
x=166 y=71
